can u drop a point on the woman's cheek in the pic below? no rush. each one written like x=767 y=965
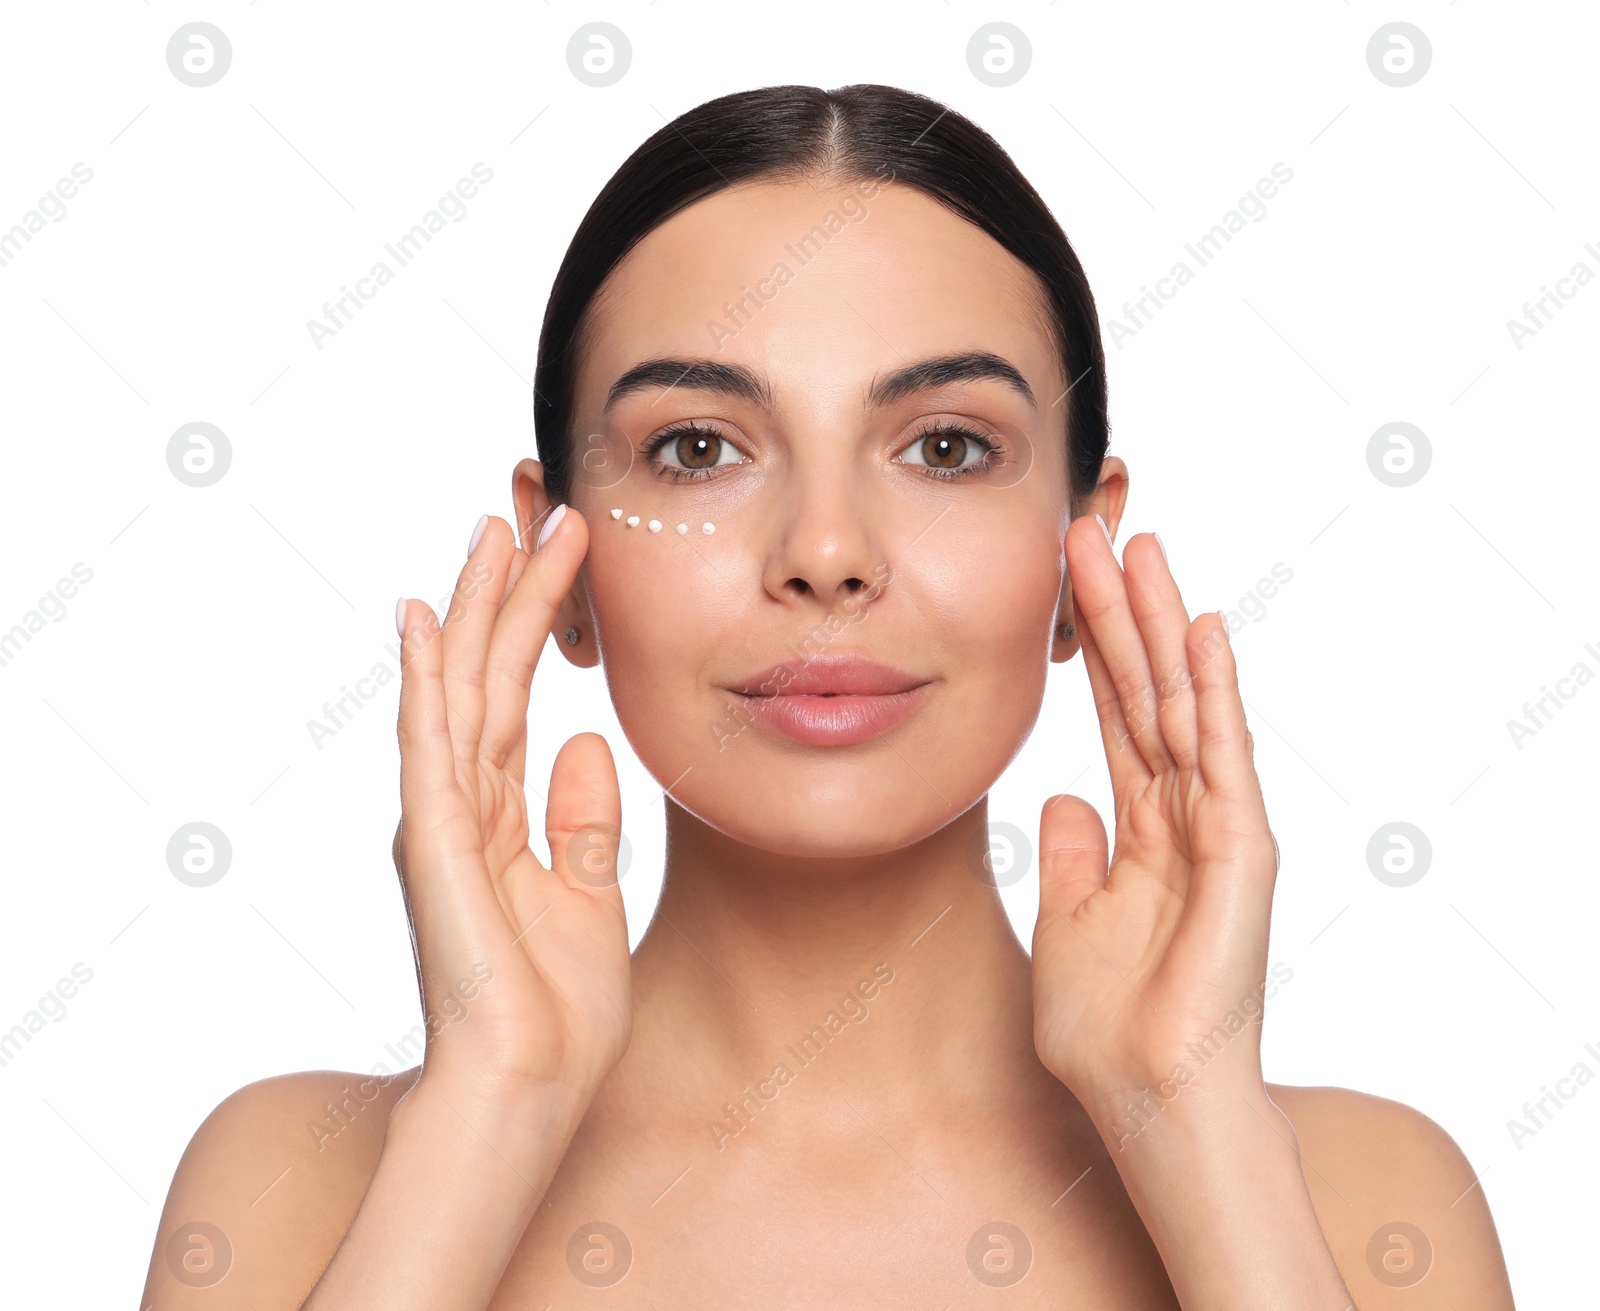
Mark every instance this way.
x=657 y=622
x=996 y=583
x=997 y=626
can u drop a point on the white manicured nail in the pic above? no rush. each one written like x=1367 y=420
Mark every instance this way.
x=400 y=616
x=1107 y=532
x=477 y=534
x=550 y=525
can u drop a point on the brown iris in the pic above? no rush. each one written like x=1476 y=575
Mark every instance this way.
x=698 y=450
x=944 y=450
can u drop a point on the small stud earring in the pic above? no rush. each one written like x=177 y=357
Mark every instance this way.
x=1066 y=631
x=572 y=637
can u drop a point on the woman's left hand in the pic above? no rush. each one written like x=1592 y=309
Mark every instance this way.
x=1142 y=973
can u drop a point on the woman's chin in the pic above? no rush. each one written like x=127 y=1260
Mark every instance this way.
x=852 y=814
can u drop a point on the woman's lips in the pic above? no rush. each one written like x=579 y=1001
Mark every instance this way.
x=831 y=700
x=837 y=720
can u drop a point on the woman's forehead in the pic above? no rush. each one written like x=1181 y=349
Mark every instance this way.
x=809 y=279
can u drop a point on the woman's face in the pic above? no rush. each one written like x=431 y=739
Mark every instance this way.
x=856 y=511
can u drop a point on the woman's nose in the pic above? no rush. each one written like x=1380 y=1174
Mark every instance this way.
x=822 y=541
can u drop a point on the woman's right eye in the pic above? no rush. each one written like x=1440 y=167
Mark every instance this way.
x=691 y=451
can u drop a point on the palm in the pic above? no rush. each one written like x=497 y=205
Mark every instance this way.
x=566 y=960
x=1133 y=964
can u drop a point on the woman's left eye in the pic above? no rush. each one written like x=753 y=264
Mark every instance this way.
x=951 y=451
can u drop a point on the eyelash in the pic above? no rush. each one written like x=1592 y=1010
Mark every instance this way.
x=939 y=428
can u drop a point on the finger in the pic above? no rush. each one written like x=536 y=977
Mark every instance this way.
x=467 y=625
x=1164 y=623
x=437 y=848
x=583 y=820
x=1101 y=595
x=516 y=766
x=519 y=562
x=1225 y=744
x=1073 y=853
x=1235 y=854
x=1126 y=765
x=427 y=760
x=521 y=630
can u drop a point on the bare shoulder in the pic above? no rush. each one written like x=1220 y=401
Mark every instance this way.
x=268 y=1186
x=1399 y=1202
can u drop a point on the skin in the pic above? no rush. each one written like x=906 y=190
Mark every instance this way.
x=977 y=1085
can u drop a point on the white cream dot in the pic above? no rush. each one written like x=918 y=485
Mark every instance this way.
x=633 y=521
x=683 y=528
x=708 y=528
x=616 y=514
x=654 y=525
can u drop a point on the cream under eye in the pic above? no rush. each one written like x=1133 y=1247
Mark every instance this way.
x=946 y=449
x=698 y=449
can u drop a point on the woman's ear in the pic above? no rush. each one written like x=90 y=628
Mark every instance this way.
x=573 y=631
x=1110 y=494
x=1107 y=500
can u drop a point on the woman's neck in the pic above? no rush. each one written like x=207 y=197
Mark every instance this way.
x=900 y=972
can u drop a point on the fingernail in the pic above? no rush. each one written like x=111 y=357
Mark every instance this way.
x=1162 y=545
x=550 y=525
x=1226 y=635
x=477 y=534
x=1106 y=531
x=400 y=616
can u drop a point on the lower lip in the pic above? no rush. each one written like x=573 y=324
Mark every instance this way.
x=834 y=721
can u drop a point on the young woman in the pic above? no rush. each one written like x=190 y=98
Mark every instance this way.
x=823 y=488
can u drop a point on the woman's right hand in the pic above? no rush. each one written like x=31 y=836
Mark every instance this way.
x=524 y=970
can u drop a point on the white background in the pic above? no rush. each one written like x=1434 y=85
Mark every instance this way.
x=179 y=683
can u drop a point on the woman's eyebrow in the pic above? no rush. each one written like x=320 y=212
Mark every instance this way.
x=698 y=375
x=745 y=384
x=944 y=369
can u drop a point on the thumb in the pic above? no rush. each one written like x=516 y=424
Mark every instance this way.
x=583 y=821
x=1073 y=854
